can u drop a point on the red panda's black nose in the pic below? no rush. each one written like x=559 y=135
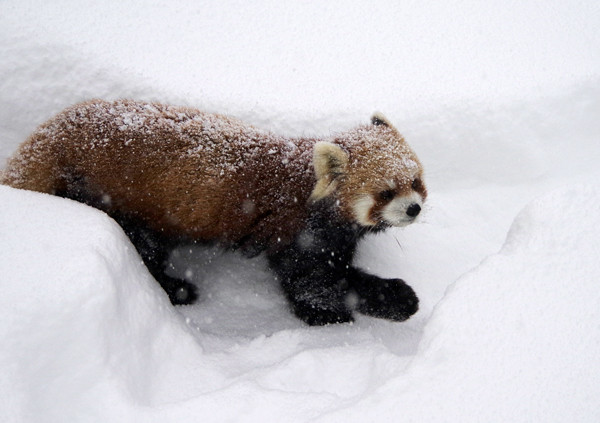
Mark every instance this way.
x=413 y=210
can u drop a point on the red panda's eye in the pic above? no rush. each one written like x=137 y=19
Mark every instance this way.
x=387 y=195
x=417 y=184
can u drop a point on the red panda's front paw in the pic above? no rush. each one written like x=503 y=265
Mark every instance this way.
x=390 y=299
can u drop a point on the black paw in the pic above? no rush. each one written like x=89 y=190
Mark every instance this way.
x=390 y=299
x=319 y=317
x=183 y=293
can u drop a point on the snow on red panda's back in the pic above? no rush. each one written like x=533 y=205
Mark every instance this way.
x=184 y=172
x=210 y=177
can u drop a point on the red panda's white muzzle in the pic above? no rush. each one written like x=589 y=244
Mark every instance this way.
x=402 y=211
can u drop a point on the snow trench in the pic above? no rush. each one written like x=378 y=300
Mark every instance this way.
x=89 y=335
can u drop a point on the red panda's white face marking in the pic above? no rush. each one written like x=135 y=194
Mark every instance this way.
x=402 y=210
x=374 y=175
x=393 y=206
x=362 y=209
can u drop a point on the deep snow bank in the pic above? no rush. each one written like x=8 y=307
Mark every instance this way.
x=297 y=68
x=84 y=327
x=87 y=334
x=516 y=339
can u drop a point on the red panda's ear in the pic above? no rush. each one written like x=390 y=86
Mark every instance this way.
x=378 y=119
x=329 y=161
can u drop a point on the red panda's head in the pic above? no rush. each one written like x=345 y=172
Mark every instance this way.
x=373 y=175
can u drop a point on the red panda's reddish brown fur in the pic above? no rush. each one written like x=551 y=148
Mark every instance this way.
x=194 y=174
x=182 y=171
x=170 y=174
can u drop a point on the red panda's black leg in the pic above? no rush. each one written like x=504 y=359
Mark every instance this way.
x=389 y=299
x=155 y=250
x=315 y=291
x=312 y=270
x=323 y=287
x=152 y=247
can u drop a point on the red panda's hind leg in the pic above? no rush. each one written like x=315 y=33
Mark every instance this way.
x=155 y=250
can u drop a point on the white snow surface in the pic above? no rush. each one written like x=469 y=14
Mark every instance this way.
x=499 y=99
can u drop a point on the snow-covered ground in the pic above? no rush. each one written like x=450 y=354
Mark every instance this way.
x=500 y=100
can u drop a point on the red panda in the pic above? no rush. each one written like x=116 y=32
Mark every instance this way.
x=170 y=175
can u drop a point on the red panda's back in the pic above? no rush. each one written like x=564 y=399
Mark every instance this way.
x=184 y=172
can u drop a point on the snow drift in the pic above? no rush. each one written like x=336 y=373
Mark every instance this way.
x=500 y=102
x=88 y=335
x=512 y=340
